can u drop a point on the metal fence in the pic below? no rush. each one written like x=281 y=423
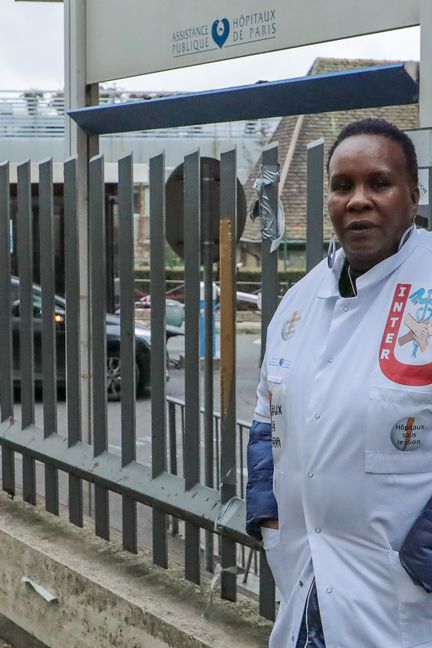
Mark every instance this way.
x=177 y=458
x=205 y=490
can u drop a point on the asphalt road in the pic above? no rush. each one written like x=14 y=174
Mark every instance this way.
x=248 y=352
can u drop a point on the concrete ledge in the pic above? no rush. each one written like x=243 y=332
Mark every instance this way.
x=107 y=598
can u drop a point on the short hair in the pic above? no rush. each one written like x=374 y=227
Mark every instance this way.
x=376 y=126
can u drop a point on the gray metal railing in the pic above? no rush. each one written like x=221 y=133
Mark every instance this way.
x=176 y=431
x=177 y=457
x=201 y=480
x=187 y=494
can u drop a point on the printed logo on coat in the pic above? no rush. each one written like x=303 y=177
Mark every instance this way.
x=276 y=413
x=405 y=354
x=408 y=434
x=280 y=362
x=289 y=328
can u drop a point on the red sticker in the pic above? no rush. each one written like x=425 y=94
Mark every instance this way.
x=396 y=371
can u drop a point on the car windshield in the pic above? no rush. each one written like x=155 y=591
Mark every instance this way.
x=37 y=301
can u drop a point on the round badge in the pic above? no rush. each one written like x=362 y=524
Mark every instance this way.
x=408 y=434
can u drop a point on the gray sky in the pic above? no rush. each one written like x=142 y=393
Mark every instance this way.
x=31 y=55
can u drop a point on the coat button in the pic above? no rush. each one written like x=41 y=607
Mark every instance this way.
x=330 y=360
x=317 y=530
x=310 y=475
x=300 y=583
x=329 y=590
x=317 y=415
x=346 y=309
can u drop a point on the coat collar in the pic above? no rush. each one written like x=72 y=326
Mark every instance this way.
x=330 y=284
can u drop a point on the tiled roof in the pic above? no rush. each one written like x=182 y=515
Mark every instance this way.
x=310 y=128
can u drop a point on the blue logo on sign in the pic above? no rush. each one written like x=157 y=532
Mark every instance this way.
x=220 y=31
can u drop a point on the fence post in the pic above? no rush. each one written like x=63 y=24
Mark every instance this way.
x=127 y=343
x=228 y=217
x=158 y=352
x=315 y=203
x=73 y=330
x=49 y=324
x=98 y=331
x=209 y=340
x=6 y=384
x=191 y=447
x=25 y=266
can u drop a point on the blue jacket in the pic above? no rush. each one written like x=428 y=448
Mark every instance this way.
x=416 y=551
x=260 y=501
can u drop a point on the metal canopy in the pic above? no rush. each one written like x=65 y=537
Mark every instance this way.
x=369 y=87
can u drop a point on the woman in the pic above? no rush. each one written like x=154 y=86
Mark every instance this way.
x=343 y=425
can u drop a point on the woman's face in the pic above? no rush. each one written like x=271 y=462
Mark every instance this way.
x=372 y=198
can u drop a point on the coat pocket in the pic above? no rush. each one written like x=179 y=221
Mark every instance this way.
x=399 y=431
x=274 y=548
x=270 y=536
x=274 y=554
x=414 y=607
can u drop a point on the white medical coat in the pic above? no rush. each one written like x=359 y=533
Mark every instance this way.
x=349 y=382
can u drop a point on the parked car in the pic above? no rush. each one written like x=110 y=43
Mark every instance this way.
x=174 y=311
x=142 y=344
